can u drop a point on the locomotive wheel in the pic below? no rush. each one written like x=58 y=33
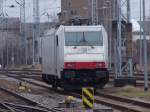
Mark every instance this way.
x=43 y=77
x=103 y=83
x=54 y=84
x=101 y=86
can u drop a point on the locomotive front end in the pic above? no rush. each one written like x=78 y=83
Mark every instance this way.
x=85 y=57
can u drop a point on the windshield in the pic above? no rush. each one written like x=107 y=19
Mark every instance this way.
x=84 y=38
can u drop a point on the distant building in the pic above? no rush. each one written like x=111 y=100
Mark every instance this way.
x=29 y=35
x=81 y=9
x=136 y=30
x=137 y=37
x=9 y=41
x=71 y=9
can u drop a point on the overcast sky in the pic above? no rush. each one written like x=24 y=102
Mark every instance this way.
x=50 y=6
x=53 y=7
x=136 y=8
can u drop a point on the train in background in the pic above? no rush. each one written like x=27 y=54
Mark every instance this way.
x=75 y=56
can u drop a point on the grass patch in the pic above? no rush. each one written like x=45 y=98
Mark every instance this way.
x=135 y=95
x=129 y=91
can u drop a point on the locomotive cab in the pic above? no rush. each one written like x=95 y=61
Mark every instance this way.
x=85 y=58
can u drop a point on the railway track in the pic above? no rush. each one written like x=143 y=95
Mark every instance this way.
x=27 y=70
x=139 y=83
x=17 y=71
x=10 y=107
x=119 y=103
x=33 y=102
x=34 y=106
x=37 y=73
x=139 y=78
x=138 y=75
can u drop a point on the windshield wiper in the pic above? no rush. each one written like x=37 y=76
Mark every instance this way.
x=84 y=42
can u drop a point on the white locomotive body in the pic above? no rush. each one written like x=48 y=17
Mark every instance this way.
x=75 y=56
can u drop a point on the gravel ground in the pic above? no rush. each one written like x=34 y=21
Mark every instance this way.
x=43 y=96
x=46 y=101
x=4 y=97
x=128 y=91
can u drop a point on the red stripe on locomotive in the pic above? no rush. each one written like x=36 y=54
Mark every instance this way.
x=84 y=65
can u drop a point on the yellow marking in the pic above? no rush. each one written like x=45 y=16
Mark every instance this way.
x=87 y=102
x=88 y=93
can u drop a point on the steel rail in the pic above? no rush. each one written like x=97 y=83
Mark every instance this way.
x=40 y=71
x=29 y=101
x=101 y=99
x=5 y=108
x=117 y=105
x=107 y=103
x=138 y=76
x=9 y=108
x=28 y=70
x=26 y=107
x=21 y=72
x=123 y=99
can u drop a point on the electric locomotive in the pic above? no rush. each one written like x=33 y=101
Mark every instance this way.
x=75 y=56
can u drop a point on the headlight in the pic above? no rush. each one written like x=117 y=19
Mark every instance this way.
x=69 y=65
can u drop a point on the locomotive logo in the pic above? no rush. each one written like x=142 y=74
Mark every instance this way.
x=88 y=97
